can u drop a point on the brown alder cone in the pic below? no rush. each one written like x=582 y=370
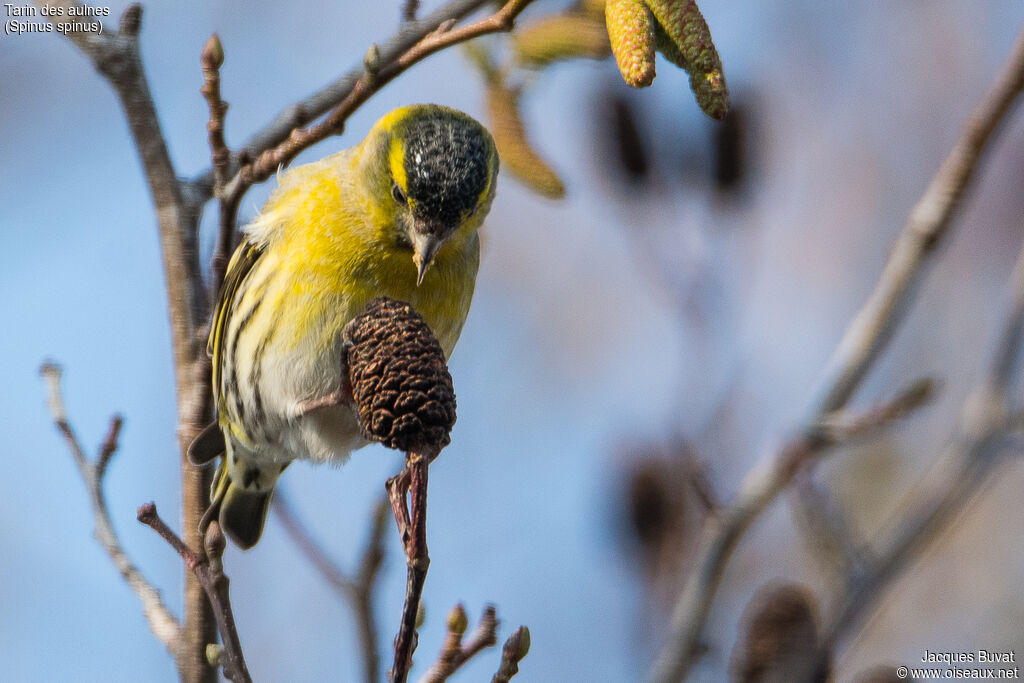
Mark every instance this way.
x=778 y=638
x=400 y=383
x=568 y=36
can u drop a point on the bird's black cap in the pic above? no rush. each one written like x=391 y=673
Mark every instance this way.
x=447 y=167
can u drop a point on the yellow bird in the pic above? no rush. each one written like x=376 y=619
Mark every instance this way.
x=397 y=216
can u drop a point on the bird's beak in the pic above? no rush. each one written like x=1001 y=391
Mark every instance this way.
x=424 y=247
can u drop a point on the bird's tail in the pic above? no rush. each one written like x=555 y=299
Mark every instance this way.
x=241 y=513
x=240 y=510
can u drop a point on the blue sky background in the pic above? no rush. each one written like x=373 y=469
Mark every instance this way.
x=575 y=354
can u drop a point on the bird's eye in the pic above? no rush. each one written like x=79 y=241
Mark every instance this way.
x=397 y=193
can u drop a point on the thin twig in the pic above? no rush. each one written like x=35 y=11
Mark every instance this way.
x=161 y=622
x=484 y=635
x=370 y=82
x=826 y=529
x=358 y=590
x=412 y=525
x=864 y=339
x=818 y=513
x=211 y=59
x=844 y=426
x=451 y=649
x=209 y=572
x=972 y=454
x=516 y=647
x=454 y=652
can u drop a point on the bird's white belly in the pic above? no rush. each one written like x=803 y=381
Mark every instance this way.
x=290 y=379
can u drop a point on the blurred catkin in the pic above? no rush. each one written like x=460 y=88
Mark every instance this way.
x=684 y=38
x=592 y=8
x=623 y=135
x=631 y=31
x=566 y=36
x=516 y=153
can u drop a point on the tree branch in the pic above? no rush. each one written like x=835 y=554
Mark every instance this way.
x=116 y=56
x=162 y=623
x=926 y=226
x=357 y=591
x=866 y=336
x=412 y=525
x=971 y=457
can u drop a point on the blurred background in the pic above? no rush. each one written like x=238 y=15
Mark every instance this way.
x=631 y=349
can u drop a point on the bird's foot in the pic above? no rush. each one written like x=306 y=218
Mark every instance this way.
x=341 y=397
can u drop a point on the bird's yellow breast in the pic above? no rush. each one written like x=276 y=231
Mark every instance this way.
x=339 y=252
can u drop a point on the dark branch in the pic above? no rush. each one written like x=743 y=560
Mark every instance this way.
x=209 y=572
x=412 y=525
x=211 y=59
x=866 y=336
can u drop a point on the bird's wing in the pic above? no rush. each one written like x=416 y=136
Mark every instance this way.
x=210 y=442
x=242 y=262
x=208 y=445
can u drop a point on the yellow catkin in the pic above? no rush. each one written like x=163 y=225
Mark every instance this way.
x=561 y=37
x=514 y=150
x=684 y=39
x=631 y=30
